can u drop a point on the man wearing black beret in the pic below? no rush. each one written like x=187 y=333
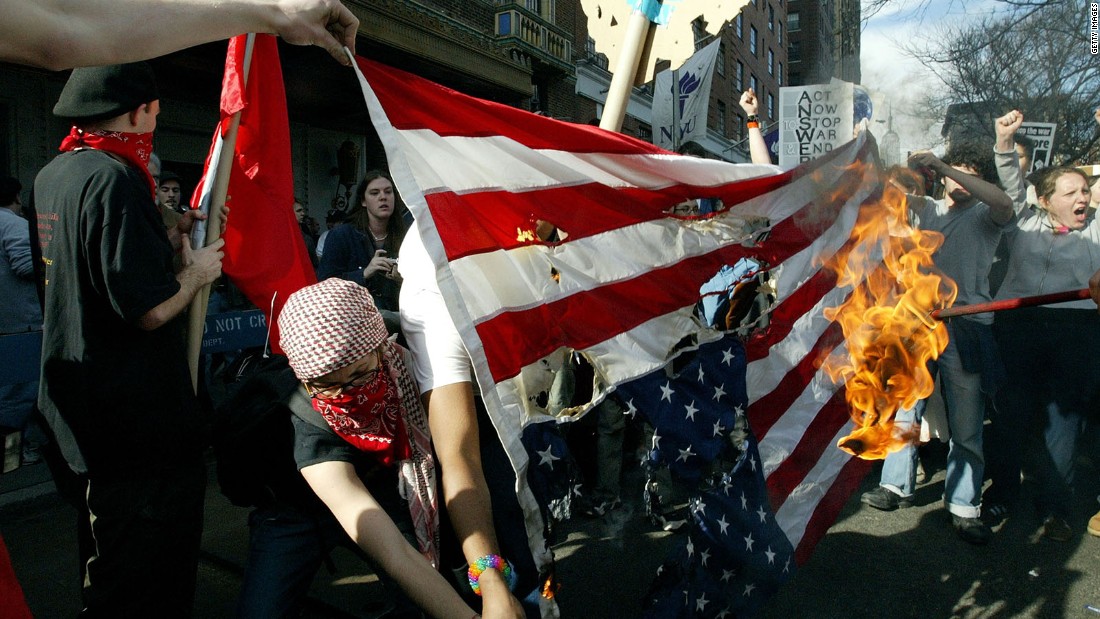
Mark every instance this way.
x=115 y=382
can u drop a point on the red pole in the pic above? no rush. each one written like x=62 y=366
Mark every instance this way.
x=1007 y=304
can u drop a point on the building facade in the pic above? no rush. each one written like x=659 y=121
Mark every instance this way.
x=824 y=41
x=532 y=54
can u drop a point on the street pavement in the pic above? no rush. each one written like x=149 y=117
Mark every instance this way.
x=906 y=563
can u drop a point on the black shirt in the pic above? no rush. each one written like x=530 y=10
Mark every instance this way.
x=118 y=397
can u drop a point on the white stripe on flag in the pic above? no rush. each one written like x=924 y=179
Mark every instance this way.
x=472 y=164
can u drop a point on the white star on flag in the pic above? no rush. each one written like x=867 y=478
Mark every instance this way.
x=720 y=391
x=689 y=411
x=547 y=456
x=666 y=393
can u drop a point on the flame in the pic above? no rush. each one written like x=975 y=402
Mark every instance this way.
x=886 y=321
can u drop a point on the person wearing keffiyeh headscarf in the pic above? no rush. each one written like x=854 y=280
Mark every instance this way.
x=365 y=407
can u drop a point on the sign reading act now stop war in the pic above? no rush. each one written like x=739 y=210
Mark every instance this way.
x=813 y=120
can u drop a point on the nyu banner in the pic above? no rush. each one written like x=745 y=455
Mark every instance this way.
x=681 y=99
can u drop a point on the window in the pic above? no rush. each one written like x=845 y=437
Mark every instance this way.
x=794 y=52
x=779 y=75
x=738 y=127
x=739 y=78
x=792 y=21
x=645 y=132
x=779 y=32
x=720 y=116
x=752 y=40
x=720 y=62
x=771 y=18
x=740 y=25
x=771 y=106
x=771 y=62
x=752 y=82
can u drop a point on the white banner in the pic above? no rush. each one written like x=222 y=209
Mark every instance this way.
x=813 y=120
x=681 y=99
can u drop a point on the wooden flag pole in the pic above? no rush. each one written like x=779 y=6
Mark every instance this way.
x=622 y=81
x=1007 y=304
x=218 y=192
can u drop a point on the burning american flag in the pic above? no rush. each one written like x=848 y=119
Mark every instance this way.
x=621 y=290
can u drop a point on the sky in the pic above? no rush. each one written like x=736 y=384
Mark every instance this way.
x=889 y=73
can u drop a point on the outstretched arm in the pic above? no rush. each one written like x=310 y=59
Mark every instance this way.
x=61 y=34
x=758 y=149
x=453 y=422
x=1000 y=204
x=364 y=520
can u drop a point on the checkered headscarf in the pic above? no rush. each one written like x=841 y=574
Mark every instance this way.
x=329 y=325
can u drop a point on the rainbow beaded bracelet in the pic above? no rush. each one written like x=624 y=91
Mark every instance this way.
x=490 y=562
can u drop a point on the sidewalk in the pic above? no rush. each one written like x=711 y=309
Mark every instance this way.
x=906 y=563
x=39 y=530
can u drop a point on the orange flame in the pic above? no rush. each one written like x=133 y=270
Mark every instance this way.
x=886 y=321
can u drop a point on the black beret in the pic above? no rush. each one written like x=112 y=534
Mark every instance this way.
x=106 y=92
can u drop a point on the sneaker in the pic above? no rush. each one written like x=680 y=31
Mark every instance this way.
x=972 y=530
x=1094 y=525
x=1057 y=529
x=887 y=501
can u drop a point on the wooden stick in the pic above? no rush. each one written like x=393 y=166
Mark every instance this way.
x=197 y=312
x=622 y=80
x=1007 y=304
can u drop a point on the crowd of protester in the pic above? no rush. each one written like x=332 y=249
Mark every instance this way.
x=1007 y=234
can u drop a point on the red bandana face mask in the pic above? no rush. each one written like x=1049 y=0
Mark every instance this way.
x=133 y=148
x=369 y=417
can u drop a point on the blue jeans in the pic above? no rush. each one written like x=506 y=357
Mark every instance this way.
x=899 y=469
x=285 y=549
x=965 y=405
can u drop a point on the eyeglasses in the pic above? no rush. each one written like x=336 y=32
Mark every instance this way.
x=328 y=392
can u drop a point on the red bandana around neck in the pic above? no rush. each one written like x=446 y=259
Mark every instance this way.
x=133 y=148
x=369 y=417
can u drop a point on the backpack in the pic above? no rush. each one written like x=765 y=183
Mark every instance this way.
x=253 y=436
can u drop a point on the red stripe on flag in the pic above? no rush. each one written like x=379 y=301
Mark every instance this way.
x=484 y=221
x=471 y=117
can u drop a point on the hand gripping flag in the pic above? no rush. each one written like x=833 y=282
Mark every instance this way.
x=265 y=255
x=622 y=287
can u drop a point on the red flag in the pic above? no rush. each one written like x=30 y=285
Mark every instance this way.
x=265 y=255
